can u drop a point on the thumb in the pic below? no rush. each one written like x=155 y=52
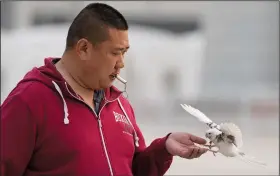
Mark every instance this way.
x=197 y=139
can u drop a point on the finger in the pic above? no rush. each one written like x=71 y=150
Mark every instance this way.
x=197 y=139
x=201 y=151
x=194 y=153
x=186 y=153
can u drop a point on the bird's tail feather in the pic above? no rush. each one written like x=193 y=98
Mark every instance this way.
x=249 y=159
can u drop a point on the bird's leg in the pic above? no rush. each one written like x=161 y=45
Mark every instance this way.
x=214 y=152
x=210 y=148
x=210 y=145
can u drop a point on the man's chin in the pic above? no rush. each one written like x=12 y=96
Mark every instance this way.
x=105 y=86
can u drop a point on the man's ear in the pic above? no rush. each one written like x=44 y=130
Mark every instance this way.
x=82 y=48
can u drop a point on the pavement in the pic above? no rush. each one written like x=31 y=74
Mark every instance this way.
x=260 y=137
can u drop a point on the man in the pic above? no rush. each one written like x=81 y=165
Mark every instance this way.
x=66 y=118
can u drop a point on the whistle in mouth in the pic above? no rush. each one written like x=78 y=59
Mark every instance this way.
x=121 y=79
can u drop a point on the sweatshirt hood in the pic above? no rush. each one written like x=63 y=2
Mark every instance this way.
x=49 y=76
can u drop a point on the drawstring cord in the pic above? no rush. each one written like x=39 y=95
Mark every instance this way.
x=66 y=114
x=66 y=120
x=136 y=139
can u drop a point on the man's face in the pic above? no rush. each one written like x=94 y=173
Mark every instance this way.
x=101 y=62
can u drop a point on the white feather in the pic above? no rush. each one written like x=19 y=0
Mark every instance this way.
x=195 y=112
x=251 y=160
x=234 y=130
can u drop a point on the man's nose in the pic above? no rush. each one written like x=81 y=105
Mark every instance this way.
x=120 y=64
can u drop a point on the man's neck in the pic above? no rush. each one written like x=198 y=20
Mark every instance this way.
x=69 y=73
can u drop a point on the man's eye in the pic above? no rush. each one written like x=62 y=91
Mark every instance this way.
x=116 y=54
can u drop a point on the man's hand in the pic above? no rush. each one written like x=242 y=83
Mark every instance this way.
x=183 y=145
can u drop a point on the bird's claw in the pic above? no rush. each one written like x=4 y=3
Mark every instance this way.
x=214 y=152
x=210 y=146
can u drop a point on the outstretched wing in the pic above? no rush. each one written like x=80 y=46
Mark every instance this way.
x=232 y=134
x=200 y=116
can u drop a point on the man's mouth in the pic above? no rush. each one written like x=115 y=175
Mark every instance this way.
x=113 y=76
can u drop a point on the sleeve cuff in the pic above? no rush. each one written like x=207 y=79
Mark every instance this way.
x=162 y=152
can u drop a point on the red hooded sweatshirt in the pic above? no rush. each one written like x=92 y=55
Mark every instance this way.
x=46 y=129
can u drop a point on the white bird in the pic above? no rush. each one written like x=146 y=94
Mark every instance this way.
x=227 y=137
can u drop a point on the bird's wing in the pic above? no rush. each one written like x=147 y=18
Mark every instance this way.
x=200 y=116
x=232 y=134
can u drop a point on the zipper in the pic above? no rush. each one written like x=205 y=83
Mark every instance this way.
x=103 y=140
x=99 y=125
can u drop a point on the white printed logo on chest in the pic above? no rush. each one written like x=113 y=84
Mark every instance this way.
x=127 y=128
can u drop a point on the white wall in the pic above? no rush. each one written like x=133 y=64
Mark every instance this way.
x=241 y=57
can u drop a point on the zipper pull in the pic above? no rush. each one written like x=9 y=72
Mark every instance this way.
x=99 y=123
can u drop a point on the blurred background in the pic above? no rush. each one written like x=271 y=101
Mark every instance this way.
x=220 y=57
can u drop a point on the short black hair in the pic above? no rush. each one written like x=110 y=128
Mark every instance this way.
x=92 y=23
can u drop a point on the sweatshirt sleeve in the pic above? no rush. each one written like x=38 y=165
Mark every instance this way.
x=18 y=134
x=153 y=160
